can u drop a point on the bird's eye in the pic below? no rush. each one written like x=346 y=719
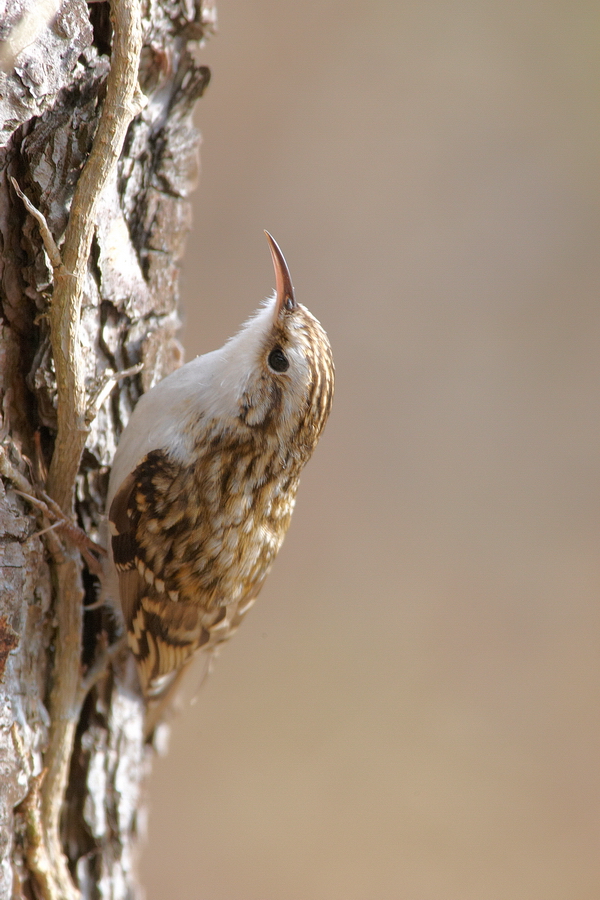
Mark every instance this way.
x=278 y=361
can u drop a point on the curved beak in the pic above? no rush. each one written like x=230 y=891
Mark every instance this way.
x=283 y=280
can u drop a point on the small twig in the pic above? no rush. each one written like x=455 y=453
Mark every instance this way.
x=8 y=471
x=43 y=531
x=49 y=242
x=38 y=860
x=23 y=486
x=74 y=533
x=19 y=746
x=107 y=383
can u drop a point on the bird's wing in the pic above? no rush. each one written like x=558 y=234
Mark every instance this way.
x=162 y=631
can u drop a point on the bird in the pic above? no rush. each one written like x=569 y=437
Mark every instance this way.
x=204 y=482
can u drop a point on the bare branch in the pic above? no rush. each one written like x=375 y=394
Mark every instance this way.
x=123 y=102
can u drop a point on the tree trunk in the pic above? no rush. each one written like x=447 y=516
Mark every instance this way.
x=71 y=738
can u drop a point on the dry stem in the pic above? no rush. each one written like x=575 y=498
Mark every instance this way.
x=37 y=856
x=123 y=102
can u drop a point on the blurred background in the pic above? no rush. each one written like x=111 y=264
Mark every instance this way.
x=411 y=710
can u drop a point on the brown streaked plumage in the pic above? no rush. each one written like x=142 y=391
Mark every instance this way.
x=205 y=478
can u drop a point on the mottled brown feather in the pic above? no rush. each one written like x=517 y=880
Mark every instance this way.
x=193 y=544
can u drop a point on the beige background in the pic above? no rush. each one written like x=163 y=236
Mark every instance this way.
x=411 y=710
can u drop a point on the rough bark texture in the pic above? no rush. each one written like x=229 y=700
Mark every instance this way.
x=50 y=100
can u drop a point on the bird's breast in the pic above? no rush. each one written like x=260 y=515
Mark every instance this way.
x=211 y=530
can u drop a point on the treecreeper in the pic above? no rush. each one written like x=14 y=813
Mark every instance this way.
x=204 y=483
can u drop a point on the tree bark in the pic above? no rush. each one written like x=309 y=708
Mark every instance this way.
x=71 y=718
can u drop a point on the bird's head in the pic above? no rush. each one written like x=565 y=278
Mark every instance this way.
x=278 y=370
